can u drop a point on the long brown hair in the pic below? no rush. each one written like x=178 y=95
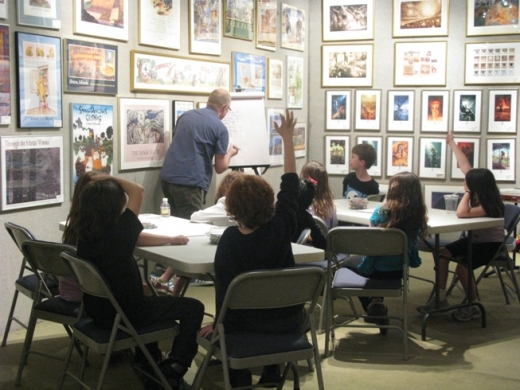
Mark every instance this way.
x=323 y=203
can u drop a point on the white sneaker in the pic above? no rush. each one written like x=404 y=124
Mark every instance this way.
x=430 y=305
x=467 y=313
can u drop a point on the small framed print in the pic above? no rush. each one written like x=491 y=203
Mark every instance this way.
x=103 y=19
x=347 y=65
x=348 y=20
x=5 y=76
x=179 y=107
x=502 y=111
x=467 y=111
x=420 y=63
x=275 y=73
x=3 y=9
x=432 y=162
x=434 y=111
x=249 y=72
x=423 y=18
x=368 y=109
x=470 y=147
x=501 y=158
x=489 y=18
x=266 y=24
x=399 y=155
x=492 y=63
x=239 y=19
x=338 y=110
x=400 y=110
x=377 y=143
x=205 y=24
x=337 y=150
x=160 y=24
x=293 y=27
x=275 y=140
x=300 y=139
x=295 y=80
x=35 y=13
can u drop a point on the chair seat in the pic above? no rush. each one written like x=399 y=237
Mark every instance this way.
x=324 y=263
x=59 y=306
x=248 y=344
x=346 y=278
x=29 y=283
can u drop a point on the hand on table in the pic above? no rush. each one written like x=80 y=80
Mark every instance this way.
x=179 y=240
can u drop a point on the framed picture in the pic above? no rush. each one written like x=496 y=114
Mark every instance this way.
x=295 y=82
x=337 y=149
x=239 y=19
x=266 y=24
x=502 y=114
x=103 y=19
x=420 y=63
x=368 y=109
x=432 y=161
x=91 y=67
x=347 y=65
x=160 y=23
x=275 y=74
x=399 y=155
x=348 y=20
x=38 y=67
x=467 y=110
x=377 y=143
x=492 y=63
x=293 y=27
x=424 y=18
x=434 y=110
x=179 y=107
x=300 y=139
x=433 y=193
x=338 y=110
x=44 y=14
x=470 y=147
x=32 y=171
x=248 y=72
x=400 y=110
x=501 y=158
x=205 y=19
x=151 y=72
x=488 y=18
x=5 y=75
x=3 y=9
x=275 y=140
x=144 y=132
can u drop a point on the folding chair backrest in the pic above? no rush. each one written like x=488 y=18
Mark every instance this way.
x=45 y=257
x=321 y=223
x=511 y=217
x=304 y=236
x=377 y=197
x=18 y=233
x=441 y=203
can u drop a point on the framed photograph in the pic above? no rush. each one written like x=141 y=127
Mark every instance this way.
x=432 y=161
x=102 y=19
x=38 y=67
x=348 y=20
x=144 y=132
x=293 y=27
x=337 y=150
x=502 y=114
x=295 y=87
x=400 y=110
x=179 y=107
x=300 y=139
x=420 y=63
x=151 y=72
x=3 y=9
x=248 y=72
x=347 y=65
x=501 y=158
x=434 y=110
x=239 y=19
x=338 y=110
x=275 y=74
x=5 y=75
x=160 y=23
x=424 y=18
x=32 y=171
x=43 y=14
x=205 y=21
x=467 y=111
x=377 y=143
x=399 y=155
x=368 y=109
x=91 y=67
x=275 y=141
x=492 y=63
x=433 y=193
x=470 y=147
x=492 y=17
x=266 y=24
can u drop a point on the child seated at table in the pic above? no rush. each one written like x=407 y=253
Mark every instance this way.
x=359 y=183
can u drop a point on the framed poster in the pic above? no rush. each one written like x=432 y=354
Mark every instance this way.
x=179 y=107
x=492 y=63
x=434 y=110
x=160 y=23
x=293 y=27
x=348 y=20
x=266 y=24
x=151 y=72
x=470 y=147
x=368 y=109
x=37 y=13
x=275 y=140
x=492 y=17
x=501 y=158
x=3 y=9
x=347 y=65
x=420 y=63
x=103 y=19
x=423 y=18
x=5 y=75
x=38 y=81
x=338 y=110
x=32 y=171
x=433 y=193
x=467 y=110
x=377 y=143
x=399 y=155
x=295 y=82
x=205 y=21
x=300 y=139
x=400 y=110
x=91 y=67
x=248 y=72
x=502 y=114
x=432 y=161
x=239 y=19
x=337 y=150
x=275 y=74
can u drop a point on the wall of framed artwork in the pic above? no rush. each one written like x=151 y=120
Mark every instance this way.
x=160 y=25
x=337 y=149
x=5 y=76
x=293 y=27
x=432 y=158
x=39 y=14
x=179 y=107
x=399 y=151
x=347 y=65
x=205 y=24
x=501 y=158
x=503 y=111
x=400 y=114
x=239 y=19
x=420 y=18
x=348 y=20
x=492 y=63
x=377 y=143
x=471 y=149
x=434 y=110
x=368 y=109
x=338 y=110
x=420 y=63
x=295 y=82
x=102 y=19
x=249 y=72
x=300 y=139
x=275 y=79
x=266 y=24
x=467 y=111
x=485 y=19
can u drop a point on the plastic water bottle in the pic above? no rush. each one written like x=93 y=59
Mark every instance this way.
x=165 y=208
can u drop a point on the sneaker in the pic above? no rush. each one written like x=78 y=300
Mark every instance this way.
x=467 y=313
x=375 y=311
x=161 y=286
x=430 y=305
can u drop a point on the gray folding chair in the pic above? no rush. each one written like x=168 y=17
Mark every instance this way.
x=239 y=350
x=377 y=197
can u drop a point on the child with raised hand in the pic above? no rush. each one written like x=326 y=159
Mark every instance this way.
x=481 y=199
x=359 y=183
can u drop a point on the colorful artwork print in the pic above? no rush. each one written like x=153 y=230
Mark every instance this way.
x=293 y=27
x=495 y=13
x=467 y=108
x=267 y=21
x=107 y=13
x=435 y=107
x=494 y=62
x=5 y=79
x=400 y=154
x=338 y=107
x=502 y=108
x=351 y=64
x=501 y=156
x=401 y=106
x=206 y=21
x=294 y=82
x=239 y=19
x=432 y=154
x=368 y=107
x=421 y=14
x=249 y=72
x=419 y=63
x=468 y=148
x=337 y=154
x=348 y=17
x=300 y=139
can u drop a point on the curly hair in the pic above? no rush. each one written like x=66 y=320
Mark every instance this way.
x=323 y=203
x=226 y=183
x=484 y=191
